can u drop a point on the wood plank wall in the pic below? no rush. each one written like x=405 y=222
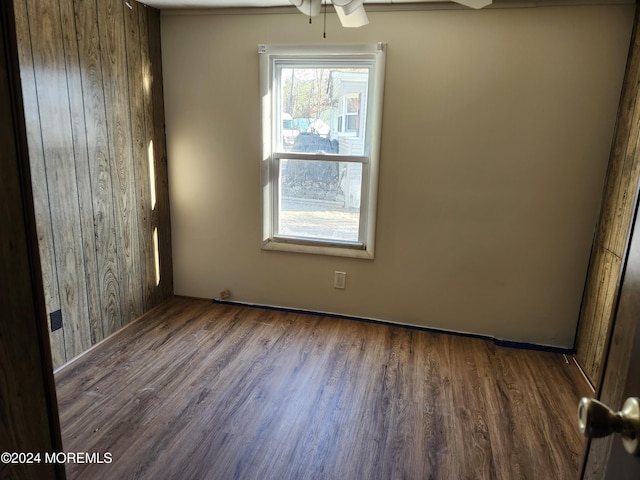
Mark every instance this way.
x=28 y=406
x=627 y=152
x=92 y=81
x=614 y=226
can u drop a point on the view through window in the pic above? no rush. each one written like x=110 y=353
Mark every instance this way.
x=320 y=197
x=320 y=130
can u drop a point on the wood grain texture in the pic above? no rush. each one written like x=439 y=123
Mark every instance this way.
x=160 y=146
x=39 y=177
x=614 y=225
x=113 y=51
x=141 y=140
x=597 y=310
x=195 y=390
x=53 y=101
x=618 y=342
x=149 y=215
x=617 y=366
x=88 y=107
x=82 y=170
x=28 y=411
x=107 y=268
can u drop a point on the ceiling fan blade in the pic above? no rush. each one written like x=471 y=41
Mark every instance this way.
x=308 y=7
x=351 y=13
x=474 y=3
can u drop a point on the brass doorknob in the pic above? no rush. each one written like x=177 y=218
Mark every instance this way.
x=596 y=420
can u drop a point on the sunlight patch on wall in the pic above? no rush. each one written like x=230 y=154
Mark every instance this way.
x=152 y=175
x=156 y=254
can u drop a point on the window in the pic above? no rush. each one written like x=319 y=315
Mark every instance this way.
x=349 y=111
x=321 y=119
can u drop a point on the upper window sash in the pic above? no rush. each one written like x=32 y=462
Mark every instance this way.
x=359 y=62
x=275 y=57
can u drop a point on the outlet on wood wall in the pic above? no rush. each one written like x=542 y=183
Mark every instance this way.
x=91 y=77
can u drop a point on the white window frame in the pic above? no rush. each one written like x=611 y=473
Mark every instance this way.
x=270 y=55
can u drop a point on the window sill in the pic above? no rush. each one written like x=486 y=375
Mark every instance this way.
x=317 y=249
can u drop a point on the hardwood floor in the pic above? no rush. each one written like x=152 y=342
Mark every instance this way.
x=195 y=390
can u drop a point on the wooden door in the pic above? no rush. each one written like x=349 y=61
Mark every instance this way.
x=606 y=457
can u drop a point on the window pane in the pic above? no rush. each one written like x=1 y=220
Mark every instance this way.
x=352 y=123
x=353 y=104
x=320 y=199
x=312 y=103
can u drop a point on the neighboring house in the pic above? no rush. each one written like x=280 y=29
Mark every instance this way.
x=348 y=93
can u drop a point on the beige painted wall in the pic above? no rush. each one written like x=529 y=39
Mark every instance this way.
x=497 y=126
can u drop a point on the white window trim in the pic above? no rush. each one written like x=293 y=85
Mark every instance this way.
x=269 y=163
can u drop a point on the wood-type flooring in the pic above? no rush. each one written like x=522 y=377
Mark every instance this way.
x=197 y=390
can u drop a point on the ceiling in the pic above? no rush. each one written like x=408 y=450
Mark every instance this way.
x=161 y=4
x=278 y=5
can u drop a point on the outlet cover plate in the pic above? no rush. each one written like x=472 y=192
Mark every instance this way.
x=56 y=320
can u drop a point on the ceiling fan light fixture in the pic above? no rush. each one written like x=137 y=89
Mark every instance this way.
x=349 y=6
x=350 y=12
x=352 y=16
x=477 y=4
x=308 y=7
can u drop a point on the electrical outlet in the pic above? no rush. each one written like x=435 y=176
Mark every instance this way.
x=56 y=320
x=340 y=280
x=225 y=294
